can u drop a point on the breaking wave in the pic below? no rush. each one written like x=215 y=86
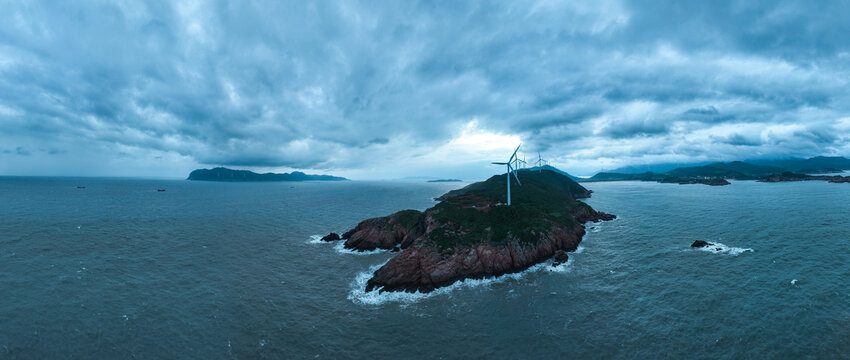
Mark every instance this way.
x=340 y=248
x=359 y=296
x=594 y=227
x=719 y=248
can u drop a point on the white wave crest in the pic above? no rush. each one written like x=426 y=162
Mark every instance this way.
x=719 y=248
x=340 y=248
x=562 y=268
x=358 y=294
x=316 y=239
x=594 y=227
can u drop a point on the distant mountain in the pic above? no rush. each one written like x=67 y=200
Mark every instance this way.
x=612 y=176
x=444 y=180
x=230 y=175
x=747 y=168
x=552 y=168
x=737 y=170
x=818 y=164
x=654 y=168
x=730 y=170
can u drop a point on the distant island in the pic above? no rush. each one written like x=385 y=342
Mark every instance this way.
x=230 y=175
x=471 y=233
x=444 y=180
x=718 y=173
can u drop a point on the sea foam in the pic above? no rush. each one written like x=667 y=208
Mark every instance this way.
x=358 y=293
x=340 y=248
x=719 y=248
x=316 y=239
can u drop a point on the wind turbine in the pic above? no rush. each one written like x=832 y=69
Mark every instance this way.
x=511 y=169
x=540 y=162
x=517 y=163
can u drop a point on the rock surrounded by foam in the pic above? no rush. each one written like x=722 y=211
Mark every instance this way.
x=471 y=234
x=719 y=248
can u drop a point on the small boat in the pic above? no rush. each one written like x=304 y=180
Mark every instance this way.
x=81 y=187
x=160 y=190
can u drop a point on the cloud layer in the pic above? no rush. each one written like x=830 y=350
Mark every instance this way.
x=395 y=89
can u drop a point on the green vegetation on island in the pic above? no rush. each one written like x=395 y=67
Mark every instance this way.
x=476 y=214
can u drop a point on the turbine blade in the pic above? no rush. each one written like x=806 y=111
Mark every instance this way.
x=517 y=179
x=517 y=149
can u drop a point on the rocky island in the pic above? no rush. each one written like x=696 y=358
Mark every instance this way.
x=471 y=233
x=230 y=175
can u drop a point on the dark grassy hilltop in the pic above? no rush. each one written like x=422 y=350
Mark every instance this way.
x=471 y=234
x=229 y=175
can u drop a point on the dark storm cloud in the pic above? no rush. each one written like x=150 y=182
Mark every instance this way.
x=738 y=140
x=636 y=128
x=705 y=111
x=319 y=84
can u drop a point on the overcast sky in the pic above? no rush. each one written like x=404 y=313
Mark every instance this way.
x=369 y=90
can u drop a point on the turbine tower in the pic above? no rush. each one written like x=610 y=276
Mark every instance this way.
x=513 y=159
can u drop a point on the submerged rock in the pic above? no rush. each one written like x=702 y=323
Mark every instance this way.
x=560 y=257
x=700 y=243
x=331 y=237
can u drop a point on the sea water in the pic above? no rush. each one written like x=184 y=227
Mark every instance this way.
x=234 y=270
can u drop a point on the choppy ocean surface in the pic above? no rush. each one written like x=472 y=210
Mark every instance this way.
x=234 y=271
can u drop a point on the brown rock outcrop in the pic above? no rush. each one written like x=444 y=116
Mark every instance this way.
x=399 y=229
x=331 y=237
x=421 y=269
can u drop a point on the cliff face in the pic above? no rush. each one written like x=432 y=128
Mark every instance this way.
x=399 y=229
x=470 y=234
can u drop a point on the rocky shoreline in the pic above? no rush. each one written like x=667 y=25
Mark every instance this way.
x=421 y=269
